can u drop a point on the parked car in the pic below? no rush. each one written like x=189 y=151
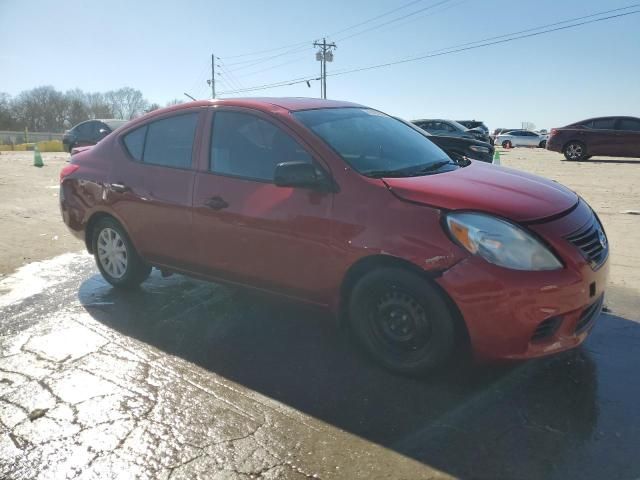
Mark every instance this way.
x=89 y=132
x=450 y=128
x=342 y=206
x=606 y=136
x=521 y=138
x=474 y=124
x=459 y=146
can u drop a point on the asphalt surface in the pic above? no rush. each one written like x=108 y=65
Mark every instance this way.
x=184 y=379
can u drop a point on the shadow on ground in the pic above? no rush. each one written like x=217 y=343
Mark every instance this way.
x=606 y=160
x=571 y=416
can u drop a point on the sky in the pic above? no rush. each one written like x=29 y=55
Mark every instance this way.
x=163 y=48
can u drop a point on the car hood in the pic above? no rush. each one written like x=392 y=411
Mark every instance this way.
x=509 y=193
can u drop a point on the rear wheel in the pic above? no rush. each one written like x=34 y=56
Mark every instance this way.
x=542 y=144
x=118 y=261
x=575 y=151
x=507 y=144
x=402 y=321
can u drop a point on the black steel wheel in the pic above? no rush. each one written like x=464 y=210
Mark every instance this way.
x=402 y=321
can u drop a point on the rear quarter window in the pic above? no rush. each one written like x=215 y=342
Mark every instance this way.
x=134 y=142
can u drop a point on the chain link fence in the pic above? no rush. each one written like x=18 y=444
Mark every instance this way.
x=15 y=138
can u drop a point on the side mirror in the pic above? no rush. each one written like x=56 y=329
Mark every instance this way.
x=298 y=174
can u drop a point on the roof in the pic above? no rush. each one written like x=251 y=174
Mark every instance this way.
x=266 y=103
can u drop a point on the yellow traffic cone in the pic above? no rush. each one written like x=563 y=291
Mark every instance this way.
x=37 y=157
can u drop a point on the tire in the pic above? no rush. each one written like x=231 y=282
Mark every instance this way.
x=543 y=144
x=117 y=259
x=507 y=144
x=402 y=321
x=575 y=151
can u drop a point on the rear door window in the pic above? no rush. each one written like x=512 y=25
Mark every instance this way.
x=603 y=123
x=169 y=142
x=629 y=125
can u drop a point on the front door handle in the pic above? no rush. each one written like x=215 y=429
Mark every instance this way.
x=217 y=203
x=119 y=187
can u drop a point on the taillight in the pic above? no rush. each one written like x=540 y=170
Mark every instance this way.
x=553 y=131
x=68 y=170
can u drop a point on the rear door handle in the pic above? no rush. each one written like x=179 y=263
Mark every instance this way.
x=119 y=187
x=216 y=203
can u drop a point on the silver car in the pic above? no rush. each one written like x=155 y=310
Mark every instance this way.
x=521 y=138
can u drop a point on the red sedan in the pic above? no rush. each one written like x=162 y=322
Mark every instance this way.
x=343 y=206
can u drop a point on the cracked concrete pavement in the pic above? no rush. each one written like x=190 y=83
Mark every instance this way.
x=184 y=379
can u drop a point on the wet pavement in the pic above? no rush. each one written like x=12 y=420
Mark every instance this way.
x=184 y=379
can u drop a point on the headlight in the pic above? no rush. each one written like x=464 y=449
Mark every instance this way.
x=479 y=149
x=500 y=242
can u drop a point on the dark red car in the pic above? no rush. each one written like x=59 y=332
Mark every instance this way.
x=604 y=136
x=345 y=207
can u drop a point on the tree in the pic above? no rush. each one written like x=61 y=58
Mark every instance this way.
x=77 y=109
x=152 y=107
x=126 y=103
x=175 y=101
x=40 y=109
x=98 y=106
x=7 y=119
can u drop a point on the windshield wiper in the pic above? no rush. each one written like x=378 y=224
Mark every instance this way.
x=433 y=167
x=385 y=173
x=408 y=172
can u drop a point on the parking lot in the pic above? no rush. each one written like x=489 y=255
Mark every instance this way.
x=184 y=379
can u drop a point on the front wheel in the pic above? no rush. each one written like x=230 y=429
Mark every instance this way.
x=507 y=144
x=402 y=321
x=575 y=151
x=542 y=144
x=117 y=259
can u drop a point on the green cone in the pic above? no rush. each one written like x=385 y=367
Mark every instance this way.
x=37 y=157
x=496 y=158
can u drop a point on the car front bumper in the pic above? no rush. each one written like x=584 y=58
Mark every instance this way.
x=515 y=315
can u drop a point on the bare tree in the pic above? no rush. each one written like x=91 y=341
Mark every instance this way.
x=77 y=109
x=175 y=101
x=7 y=118
x=152 y=107
x=40 y=109
x=98 y=106
x=126 y=103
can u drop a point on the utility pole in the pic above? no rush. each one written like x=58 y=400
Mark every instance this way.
x=212 y=82
x=324 y=55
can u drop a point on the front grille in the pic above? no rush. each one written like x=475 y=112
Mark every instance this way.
x=592 y=243
x=589 y=315
x=546 y=329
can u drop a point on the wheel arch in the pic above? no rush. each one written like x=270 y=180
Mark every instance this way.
x=369 y=263
x=91 y=223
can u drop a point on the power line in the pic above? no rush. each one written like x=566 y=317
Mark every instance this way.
x=373 y=19
x=299 y=47
x=393 y=20
x=465 y=47
x=481 y=45
x=284 y=83
x=299 y=44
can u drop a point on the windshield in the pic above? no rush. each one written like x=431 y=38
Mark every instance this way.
x=376 y=144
